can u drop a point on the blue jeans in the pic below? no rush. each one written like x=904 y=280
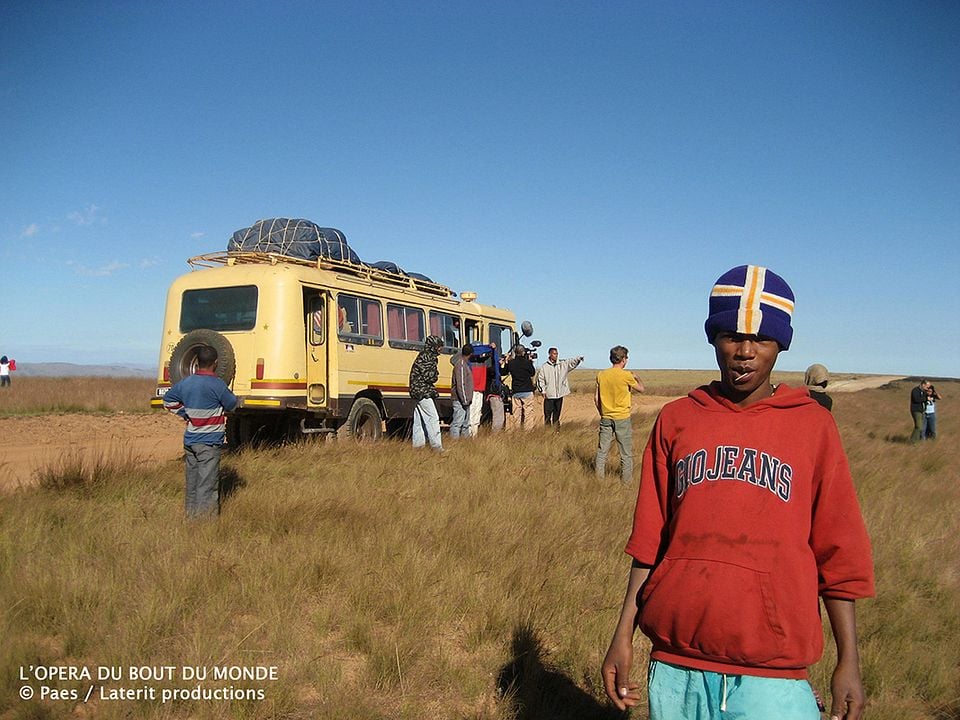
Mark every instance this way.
x=460 y=425
x=202 y=495
x=426 y=424
x=930 y=426
x=623 y=432
x=677 y=693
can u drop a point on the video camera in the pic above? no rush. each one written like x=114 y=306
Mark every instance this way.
x=526 y=330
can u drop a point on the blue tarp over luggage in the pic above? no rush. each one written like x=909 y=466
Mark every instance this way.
x=294 y=238
x=391 y=267
x=304 y=239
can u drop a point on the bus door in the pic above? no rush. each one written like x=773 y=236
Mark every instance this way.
x=317 y=307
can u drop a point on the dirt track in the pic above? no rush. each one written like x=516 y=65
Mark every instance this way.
x=30 y=443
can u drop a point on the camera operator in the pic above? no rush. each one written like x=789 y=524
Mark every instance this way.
x=520 y=368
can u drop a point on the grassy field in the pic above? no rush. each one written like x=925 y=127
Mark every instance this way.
x=42 y=395
x=679 y=382
x=384 y=582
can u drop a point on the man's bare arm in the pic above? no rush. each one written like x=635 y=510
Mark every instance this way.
x=846 y=687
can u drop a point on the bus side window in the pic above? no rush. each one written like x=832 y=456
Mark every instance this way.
x=347 y=320
x=358 y=320
x=473 y=331
x=316 y=320
x=502 y=336
x=405 y=326
x=448 y=328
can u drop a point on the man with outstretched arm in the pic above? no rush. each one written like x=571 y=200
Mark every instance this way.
x=554 y=384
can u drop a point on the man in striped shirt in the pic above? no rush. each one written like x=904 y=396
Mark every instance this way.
x=202 y=399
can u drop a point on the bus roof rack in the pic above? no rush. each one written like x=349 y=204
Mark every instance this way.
x=361 y=270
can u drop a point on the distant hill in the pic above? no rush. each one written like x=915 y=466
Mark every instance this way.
x=62 y=369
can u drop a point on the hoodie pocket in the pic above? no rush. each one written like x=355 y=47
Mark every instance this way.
x=713 y=610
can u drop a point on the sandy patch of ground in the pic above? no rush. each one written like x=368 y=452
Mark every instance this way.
x=865 y=383
x=580 y=407
x=30 y=443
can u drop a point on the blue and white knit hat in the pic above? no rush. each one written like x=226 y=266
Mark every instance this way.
x=751 y=300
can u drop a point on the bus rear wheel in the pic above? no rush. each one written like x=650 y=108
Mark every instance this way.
x=364 y=423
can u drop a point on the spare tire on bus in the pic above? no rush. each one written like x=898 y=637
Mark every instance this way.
x=183 y=360
x=363 y=422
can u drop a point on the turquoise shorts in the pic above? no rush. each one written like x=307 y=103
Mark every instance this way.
x=678 y=693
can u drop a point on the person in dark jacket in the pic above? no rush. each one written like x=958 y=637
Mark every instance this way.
x=520 y=368
x=423 y=380
x=918 y=406
x=462 y=393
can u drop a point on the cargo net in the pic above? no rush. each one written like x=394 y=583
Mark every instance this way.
x=302 y=241
x=293 y=238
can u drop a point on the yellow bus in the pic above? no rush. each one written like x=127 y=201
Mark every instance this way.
x=316 y=346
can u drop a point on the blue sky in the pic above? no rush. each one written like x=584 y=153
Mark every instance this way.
x=592 y=166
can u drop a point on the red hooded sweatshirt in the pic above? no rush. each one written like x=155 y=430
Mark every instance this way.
x=746 y=516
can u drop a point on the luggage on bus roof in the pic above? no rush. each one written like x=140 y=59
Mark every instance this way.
x=294 y=238
x=394 y=269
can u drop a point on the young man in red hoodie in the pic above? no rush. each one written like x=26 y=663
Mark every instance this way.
x=746 y=516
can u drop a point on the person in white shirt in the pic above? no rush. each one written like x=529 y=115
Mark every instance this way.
x=553 y=384
x=4 y=372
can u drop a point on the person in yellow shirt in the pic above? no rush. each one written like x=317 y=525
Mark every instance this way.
x=613 y=403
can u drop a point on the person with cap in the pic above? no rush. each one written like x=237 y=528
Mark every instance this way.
x=815 y=379
x=553 y=383
x=746 y=516
x=461 y=392
x=423 y=391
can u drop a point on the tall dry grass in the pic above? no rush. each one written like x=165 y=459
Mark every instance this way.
x=386 y=582
x=910 y=634
x=43 y=395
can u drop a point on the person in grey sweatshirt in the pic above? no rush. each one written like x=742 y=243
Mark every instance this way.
x=461 y=392
x=553 y=384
